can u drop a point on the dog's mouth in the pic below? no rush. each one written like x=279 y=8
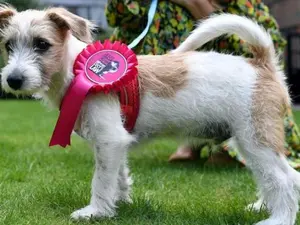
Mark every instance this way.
x=22 y=91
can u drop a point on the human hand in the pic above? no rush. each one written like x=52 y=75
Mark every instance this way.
x=198 y=8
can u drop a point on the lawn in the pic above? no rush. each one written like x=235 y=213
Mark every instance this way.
x=42 y=186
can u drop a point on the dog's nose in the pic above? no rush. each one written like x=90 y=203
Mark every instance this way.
x=15 y=80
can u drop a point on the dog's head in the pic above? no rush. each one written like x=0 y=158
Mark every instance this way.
x=34 y=46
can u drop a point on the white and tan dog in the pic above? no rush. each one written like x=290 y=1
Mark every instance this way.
x=195 y=93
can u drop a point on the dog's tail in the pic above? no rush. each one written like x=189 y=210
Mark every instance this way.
x=259 y=40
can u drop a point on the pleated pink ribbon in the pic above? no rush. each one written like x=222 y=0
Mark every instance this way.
x=98 y=68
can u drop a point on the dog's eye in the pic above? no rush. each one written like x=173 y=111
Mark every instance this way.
x=40 y=45
x=8 y=47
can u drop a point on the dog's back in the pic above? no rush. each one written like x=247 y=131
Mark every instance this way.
x=205 y=89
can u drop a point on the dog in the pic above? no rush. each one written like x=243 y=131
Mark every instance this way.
x=100 y=68
x=191 y=93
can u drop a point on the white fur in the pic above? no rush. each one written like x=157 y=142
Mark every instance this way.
x=110 y=141
x=205 y=99
x=219 y=93
x=23 y=56
x=23 y=59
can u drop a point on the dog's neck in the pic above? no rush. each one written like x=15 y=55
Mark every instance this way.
x=61 y=80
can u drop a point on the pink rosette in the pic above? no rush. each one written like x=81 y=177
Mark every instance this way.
x=98 y=68
x=112 y=80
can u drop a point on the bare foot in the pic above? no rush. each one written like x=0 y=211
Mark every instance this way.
x=184 y=153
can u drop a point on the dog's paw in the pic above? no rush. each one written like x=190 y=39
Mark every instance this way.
x=89 y=212
x=127 y=199
x=257 y=206
x=124 y=197
x=273 y=222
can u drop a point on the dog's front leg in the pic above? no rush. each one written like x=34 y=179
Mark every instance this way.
x=110 y=144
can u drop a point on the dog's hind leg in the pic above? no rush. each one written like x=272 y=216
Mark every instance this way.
x=111 y=141
x=295 y=178
x=124 y=183
x=275 y=178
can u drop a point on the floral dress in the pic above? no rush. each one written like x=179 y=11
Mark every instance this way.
x=173 y=23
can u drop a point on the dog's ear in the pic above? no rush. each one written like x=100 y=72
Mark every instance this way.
x=6 y=12
x=81 y=28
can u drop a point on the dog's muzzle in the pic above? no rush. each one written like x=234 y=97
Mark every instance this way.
x=15 y=80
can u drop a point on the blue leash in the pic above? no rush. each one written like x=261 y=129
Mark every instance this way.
x=151 y=14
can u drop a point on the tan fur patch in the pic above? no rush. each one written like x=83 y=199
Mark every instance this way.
x=270 y=104
x=262 y=56
x=5 y=13
x=51 y=61
x=80 y=27
x=162 y=75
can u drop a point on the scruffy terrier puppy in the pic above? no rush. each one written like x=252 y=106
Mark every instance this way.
x=195 y=93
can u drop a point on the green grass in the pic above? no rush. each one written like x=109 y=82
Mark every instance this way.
x=41 y=186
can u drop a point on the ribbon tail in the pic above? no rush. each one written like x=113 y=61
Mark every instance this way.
x=69 y=111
